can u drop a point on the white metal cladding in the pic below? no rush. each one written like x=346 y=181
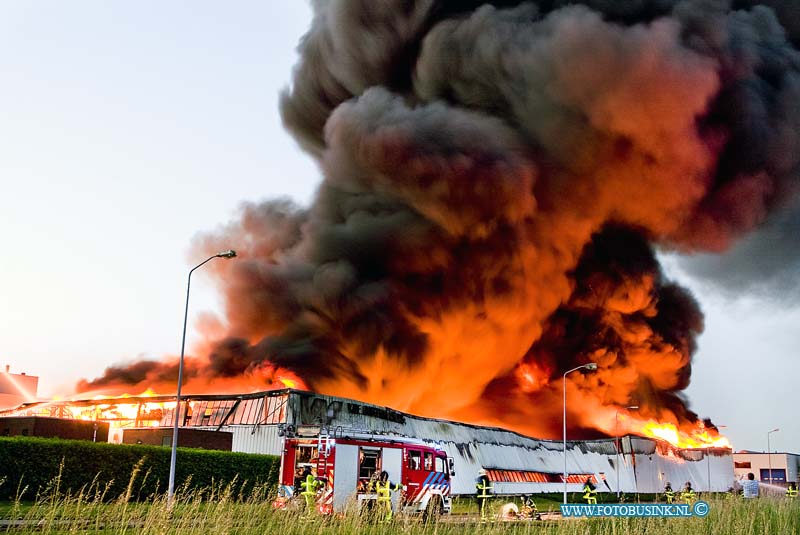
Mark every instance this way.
x=644 y=463
x=345 y=475
x=706 y=469
x=255 y=439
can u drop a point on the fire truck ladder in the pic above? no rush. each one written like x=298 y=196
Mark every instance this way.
x=323 y=451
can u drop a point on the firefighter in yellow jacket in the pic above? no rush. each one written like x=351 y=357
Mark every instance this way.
x=687 y=494
x=589 y=491
x=384 y=489
x=791 y=490
x=484 y=488
x=310 y=487
x=669 y=494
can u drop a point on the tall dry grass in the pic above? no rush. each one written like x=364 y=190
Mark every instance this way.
x=219 y=510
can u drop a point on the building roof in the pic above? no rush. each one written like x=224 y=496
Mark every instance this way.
x=751 y=452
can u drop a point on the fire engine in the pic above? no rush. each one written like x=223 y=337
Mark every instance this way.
x=347 y=465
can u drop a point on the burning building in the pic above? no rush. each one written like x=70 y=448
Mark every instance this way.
x=497 y=179
x=261 y=422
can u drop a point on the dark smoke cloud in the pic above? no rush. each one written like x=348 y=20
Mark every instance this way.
x=496 y=177
x=144 y=371
x=624 y=315
x=764 y=264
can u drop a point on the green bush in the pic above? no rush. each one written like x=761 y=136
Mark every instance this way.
x=30 y=466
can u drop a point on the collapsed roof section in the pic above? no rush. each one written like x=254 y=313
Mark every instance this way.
x=518 y=464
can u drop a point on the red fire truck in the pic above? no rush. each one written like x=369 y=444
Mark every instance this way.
x=347 y=464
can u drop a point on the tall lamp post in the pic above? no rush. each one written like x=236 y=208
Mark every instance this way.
x=174 y=454
x=591 y=366
x=616 y=434
x=769 y=453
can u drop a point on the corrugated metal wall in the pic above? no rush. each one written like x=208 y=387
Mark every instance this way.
x=706 y=469
x=644 y=465
x=255 y=439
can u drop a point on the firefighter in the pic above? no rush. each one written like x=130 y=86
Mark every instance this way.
x=687 y=494
x=669 y=494
x=299 y=477
x=791 y=490
x=589 y=491
x=310 y=487
x=384 y=488
x=484 y=491
x=529 y=509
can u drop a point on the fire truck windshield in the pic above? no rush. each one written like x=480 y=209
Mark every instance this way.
x=440 y=464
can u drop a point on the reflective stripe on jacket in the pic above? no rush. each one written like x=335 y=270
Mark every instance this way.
x=310 y=485
x=385 y=489
x=484 y=487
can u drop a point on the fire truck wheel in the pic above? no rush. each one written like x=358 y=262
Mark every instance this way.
x=433 y=510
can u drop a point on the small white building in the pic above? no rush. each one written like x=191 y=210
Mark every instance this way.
x=17 y=388
x=785 y=466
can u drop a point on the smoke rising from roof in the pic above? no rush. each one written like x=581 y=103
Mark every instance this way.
x=495 y=181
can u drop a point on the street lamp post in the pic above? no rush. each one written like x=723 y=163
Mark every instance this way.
x=769 y=453
x=174 y=453
x=616 y=434
x=590 y=366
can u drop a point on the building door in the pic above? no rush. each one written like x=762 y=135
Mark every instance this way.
x=778 y=475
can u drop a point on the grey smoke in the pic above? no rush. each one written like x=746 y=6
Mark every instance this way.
x=764 y=264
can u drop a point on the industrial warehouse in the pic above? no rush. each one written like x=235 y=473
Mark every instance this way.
x=516 y=464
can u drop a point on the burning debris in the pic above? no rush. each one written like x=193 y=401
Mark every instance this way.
x=497 y=177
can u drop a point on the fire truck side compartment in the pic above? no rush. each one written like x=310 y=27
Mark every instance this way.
x=393 y=464
x=345 y=475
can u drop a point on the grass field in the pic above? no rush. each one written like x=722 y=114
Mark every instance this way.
x=218 y=511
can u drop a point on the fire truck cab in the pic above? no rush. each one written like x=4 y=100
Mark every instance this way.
x=348 y=466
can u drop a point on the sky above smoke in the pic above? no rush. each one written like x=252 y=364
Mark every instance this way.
x=495 y=182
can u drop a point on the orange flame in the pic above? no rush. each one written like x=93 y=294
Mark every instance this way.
x=288 y=383
x=699 y=437
x=680 y=434
x=531 y=377
x=264 y=377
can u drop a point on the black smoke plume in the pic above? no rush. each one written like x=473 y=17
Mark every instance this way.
x=496 y=179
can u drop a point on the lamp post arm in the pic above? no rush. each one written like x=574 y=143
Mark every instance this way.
x=573 y=369
x=185 y=320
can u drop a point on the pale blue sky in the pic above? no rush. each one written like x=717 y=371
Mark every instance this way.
x=128 y=127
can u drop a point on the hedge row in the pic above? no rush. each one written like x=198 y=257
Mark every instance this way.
x=35 y=463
